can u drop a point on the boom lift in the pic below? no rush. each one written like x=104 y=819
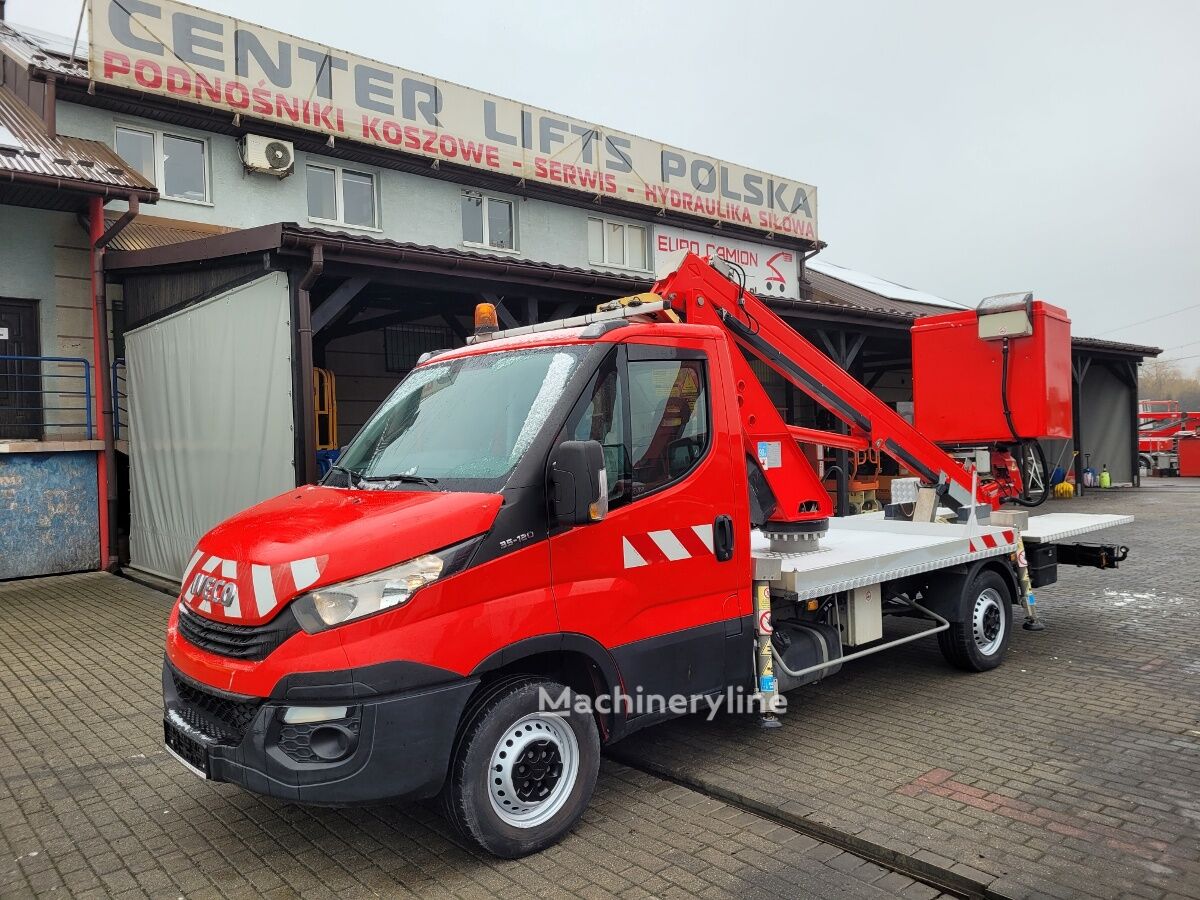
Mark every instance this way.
x=705 y=292
x=562 y=533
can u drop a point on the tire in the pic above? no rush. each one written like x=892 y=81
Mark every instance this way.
x=979 y=640
x=508 y=736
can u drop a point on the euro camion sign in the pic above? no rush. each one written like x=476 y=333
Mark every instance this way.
x=195 y=56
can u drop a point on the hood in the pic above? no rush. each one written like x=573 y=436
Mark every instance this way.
x=258 y=560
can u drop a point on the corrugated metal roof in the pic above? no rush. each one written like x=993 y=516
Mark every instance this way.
x=145 y=232
x=876 y=285
x=1116 y=346
x=67 y=158
x=831 y=291
x=516 y=262
x=45 y=52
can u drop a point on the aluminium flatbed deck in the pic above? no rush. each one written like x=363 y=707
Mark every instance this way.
x=863 y=550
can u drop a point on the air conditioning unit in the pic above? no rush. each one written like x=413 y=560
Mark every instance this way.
x=269 y=155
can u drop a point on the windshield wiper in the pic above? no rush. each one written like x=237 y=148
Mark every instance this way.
x=402 y=477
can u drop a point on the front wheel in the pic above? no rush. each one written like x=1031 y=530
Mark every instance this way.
x=978 y=639
x=523 y=770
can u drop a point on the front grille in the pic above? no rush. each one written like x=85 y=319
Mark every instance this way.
x=222 y=719
x=237 y=641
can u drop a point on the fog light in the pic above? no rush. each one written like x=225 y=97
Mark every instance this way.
x=306 y=715
x=330 y=742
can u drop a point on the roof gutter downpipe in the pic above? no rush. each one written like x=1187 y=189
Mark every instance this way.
x=306 y=467
x=118 y=226
x=107 y=470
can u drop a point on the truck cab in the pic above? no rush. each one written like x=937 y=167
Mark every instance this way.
x=349 y=624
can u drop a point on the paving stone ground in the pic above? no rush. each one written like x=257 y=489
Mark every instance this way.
x=90 y=805
x=1073 y=770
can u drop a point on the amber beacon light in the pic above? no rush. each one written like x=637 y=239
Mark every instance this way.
x=485 y=318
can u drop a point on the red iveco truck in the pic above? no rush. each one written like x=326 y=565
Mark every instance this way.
x=604 y=507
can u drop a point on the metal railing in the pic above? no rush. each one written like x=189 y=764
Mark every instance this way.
x=39 y=400
x=120 y=398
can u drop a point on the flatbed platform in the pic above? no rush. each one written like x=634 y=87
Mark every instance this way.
x=1054 y=527
x=864 y=550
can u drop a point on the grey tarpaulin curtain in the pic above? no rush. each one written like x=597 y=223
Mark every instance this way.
x=1107 y=430
x=210 y=418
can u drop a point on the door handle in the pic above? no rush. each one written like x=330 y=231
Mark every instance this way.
x=723 y=538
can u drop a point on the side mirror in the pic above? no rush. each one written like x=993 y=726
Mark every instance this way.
x=579 y=482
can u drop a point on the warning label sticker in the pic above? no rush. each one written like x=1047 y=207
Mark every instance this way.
x=770 y=454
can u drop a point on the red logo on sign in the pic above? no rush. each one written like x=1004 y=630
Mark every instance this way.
x=776 y=275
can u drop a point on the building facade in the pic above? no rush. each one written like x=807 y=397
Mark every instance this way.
x=312 y=240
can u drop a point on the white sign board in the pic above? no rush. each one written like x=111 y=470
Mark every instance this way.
x=770 y=271
x=195 y=56
x=3 y=334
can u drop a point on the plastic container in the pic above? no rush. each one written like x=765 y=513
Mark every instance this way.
x=957 y=387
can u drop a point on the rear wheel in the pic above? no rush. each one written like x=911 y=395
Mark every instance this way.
x=979 y=639
x=522 y=774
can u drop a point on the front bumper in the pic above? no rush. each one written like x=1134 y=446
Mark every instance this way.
x=393 y=741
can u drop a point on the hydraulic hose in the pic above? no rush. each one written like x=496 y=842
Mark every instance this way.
x=1020 y=441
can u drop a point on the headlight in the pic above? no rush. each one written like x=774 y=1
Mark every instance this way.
x=378 y=592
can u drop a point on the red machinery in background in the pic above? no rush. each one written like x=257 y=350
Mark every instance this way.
x=989 y=384
x=1161 y=426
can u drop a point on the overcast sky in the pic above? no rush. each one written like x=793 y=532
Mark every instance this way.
x=960 y=148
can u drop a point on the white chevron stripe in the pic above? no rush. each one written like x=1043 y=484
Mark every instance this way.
x=187 y=572
x=304 y=571
x=633 y=559
x=213 y=562
x=228 y=569
x=264 y=589
x=705 y=532
x=670 y=545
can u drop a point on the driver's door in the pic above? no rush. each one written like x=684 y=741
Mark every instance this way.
x=646 y=581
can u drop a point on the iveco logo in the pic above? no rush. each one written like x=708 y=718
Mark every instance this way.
x=210 y=589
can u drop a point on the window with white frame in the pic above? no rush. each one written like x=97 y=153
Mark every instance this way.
x=341 y=196
x=616 y=244
x=488 y=221
x=176 y=164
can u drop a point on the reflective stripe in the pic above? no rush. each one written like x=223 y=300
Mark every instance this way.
x=633 y=559
x=228 y=568
x=705 y=533
x=264 y=589
x=187 y=572
x=212 y=563
x=305 y=572
x=669 y=544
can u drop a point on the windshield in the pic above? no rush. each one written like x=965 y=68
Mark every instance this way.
x=459 y=425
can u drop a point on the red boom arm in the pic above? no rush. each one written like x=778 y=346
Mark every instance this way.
x=701 y=293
